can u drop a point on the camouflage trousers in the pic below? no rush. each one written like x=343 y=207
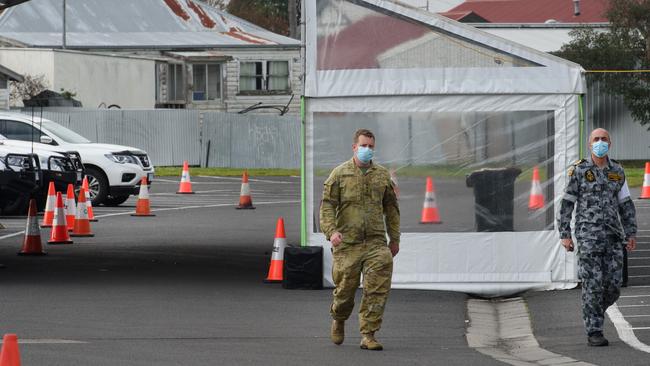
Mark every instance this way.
x=600 y=267
x=375 y=261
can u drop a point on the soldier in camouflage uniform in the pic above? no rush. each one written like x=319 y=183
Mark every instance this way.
x=599 y=191
x=359 y=207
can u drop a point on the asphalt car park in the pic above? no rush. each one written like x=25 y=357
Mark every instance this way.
x=186 y=288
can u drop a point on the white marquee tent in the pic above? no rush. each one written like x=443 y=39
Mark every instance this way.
x=450 y=102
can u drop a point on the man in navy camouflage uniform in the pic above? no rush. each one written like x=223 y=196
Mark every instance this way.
x=598 y=190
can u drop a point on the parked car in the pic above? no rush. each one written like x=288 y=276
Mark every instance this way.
x=60 y=168
x=19 y=180
x=114 y=171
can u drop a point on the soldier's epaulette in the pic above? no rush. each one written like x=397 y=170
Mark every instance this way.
x=574 y=165
x=616 y=161
x=579 y=161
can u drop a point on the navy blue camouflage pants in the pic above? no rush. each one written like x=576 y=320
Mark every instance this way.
x=600 y=267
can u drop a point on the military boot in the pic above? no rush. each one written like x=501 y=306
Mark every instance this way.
x=369 y=342
x=597 y=340
x=338 y=331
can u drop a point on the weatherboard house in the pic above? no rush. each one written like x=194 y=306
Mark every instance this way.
x=152 y=54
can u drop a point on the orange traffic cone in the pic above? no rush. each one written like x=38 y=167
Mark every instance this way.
x=48 y=215
x=245 y=199
x=430 y=214
x=645 y=191
x=277 y=258
x=142 y=206
x=89 y=204
x=70 y=208
x=59 y=234
x=9 y=355
x=81 y=222
x=186 y=185
x=536 y=199
x=32 y=244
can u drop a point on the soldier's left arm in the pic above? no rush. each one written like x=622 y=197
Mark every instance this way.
x=627 y=211
x=391 y=211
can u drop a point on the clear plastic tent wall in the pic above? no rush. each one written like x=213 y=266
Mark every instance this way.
x=479 y=115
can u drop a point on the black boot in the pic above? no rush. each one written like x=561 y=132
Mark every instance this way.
x=597 y=339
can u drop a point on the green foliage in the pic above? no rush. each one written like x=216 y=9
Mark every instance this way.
x=625 y=47
x=269 y=14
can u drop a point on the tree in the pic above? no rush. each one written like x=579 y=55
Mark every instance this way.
x=625 y=48
x=32 y=85
x=219 y=4
x=269 y=14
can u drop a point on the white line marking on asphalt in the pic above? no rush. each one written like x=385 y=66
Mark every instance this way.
x=49 y=341
x=636 y=316
x=624 y=330
x=634 y=306
x=637 y=258
x=639 y=286
x=638 y=267
x=641 y=328
x=167 y=209
x=249 y=179
x=635 y=296
x=639 y=276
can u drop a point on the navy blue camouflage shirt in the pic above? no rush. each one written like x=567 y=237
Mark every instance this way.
x=602 y=201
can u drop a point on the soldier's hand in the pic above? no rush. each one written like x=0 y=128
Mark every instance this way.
x=631 y=244
x=336 y=239
x=567 y=244
x=394 y=248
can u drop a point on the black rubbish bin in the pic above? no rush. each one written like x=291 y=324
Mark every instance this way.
x=494 y=191
x=303 y=268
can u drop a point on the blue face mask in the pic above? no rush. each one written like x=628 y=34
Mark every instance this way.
x=365 y=154
x=600 y=148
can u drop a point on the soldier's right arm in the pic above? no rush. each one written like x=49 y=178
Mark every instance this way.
x=568 y=202
x=329 y=205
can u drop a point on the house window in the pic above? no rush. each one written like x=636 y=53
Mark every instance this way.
x=264 y=76
x=207 y=81
x=176 y=82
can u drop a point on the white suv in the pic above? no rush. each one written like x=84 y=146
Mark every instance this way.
x=114 y=172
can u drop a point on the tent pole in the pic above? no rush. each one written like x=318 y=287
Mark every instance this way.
x=303 y=170
x=582 y=127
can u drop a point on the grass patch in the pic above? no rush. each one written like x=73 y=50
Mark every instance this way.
x=226 y=172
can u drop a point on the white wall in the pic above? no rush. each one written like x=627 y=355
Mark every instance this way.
x=96 y=79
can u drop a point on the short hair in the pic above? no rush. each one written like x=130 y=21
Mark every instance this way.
x=362 y=132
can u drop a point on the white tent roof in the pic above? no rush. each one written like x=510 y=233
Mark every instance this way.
x=550 y=74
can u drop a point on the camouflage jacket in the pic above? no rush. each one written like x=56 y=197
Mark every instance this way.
x=355 y=204
x=602 y=200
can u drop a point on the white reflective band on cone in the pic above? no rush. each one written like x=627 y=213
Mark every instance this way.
x=245 y=190
x=59 y=217
x=82 y=211
x=144 y=192
x=32 y=228
x=429 y=200
x=536 y=189
x=278 y=249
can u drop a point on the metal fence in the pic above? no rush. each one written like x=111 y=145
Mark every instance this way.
x=630 y=140
x=213 y=139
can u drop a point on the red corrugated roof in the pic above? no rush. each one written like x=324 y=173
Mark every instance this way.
x=358 y=45
x=534 y=11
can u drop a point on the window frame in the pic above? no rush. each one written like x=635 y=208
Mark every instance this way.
x=265 y=78
x=207 y=65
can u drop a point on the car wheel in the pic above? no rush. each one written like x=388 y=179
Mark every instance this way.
x=115 y=201
x=97 y=185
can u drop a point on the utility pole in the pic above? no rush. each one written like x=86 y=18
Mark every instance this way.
x=293 y=19
x=63 y=33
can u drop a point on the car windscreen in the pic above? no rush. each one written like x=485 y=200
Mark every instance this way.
x=64 y=134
